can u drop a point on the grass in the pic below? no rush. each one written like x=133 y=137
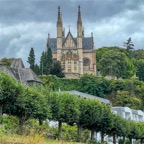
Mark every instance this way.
x=31 y=139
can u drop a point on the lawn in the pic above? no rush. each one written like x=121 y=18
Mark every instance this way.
x=35 y=139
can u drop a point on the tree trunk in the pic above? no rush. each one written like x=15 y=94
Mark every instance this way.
x=21 y=128
x=130 y=139
x=79 y=132
x=1 y=106
x=40 y=122
x=102 y=138
x=114 y=139
x=123 y=139
x=92 y=134
x=60 y=130
x=141 y=141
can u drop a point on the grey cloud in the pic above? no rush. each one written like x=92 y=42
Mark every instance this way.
x=25 y=24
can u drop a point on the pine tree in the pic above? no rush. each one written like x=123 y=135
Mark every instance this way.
x=48 y=60
x=43 y=63
x=37 y=69
x=129 y=45
x=31 y=59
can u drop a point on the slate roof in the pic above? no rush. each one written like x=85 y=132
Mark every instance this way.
x=27 y=75
x=85 y=95
x=19 y=72
x=17 y=63
x=86 y=43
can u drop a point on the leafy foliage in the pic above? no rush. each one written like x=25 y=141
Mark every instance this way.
x=116 y=64
x=56 y=69
x=94 y=85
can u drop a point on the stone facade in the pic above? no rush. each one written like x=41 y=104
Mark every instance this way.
x=77 y=55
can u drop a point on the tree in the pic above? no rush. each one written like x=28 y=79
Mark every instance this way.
x=129 y=45
x=123 y=98
x=28 y=104
x=48 y=60
x=140 y=69
x=9 y=90
x=102 y=50
x=106 y=123
x=43 y=63
x=116 y=64
x=56 y=69
x=90 y=116
x=37 y=69
x=64 y=108
x=94 y=85
x=31 y=59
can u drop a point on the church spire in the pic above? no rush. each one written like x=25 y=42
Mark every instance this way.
x=59 y=20
x=79 y=24
x=48 y=43
x=79 y=21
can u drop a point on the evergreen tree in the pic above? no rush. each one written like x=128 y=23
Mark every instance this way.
x=48 y=60
x=129 y=45
x=57 y=70
x=37 y=69
x=31 y=59
x=43 y=63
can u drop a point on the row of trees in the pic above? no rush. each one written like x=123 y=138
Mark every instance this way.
x=27 y=102
x=124 y=92
x=47 y=64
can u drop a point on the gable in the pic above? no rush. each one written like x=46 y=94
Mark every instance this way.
x=69 y=42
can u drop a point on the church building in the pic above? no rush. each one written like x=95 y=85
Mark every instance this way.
x=76 y=54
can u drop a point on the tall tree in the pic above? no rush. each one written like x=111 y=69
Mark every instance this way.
x=129 y=47
x=48 y=60
x=43 y=63
x=37 y=69
x=31 y=59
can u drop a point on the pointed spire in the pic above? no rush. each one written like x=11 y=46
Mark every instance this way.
x=92 y=40
x=59 y=20
x=79 y=16
x=83 y=32
x=48 y=41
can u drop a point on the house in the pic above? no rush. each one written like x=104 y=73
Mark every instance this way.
x=129 y=114
x=18 y=71
x=88 y=96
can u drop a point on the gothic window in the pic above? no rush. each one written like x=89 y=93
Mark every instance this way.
x=63 y=57
x=69 y=60
x=86 y=61
x=69 y=68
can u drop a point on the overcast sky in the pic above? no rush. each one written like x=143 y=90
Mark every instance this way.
x=26 y=23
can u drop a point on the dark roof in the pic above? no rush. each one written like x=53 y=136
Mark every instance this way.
x=85 y=95
x=12 y=72
x=86 y=43
x=19 y=72
x=24 y=75
x=17 y=63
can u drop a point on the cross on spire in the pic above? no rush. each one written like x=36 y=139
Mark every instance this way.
x=69 y=28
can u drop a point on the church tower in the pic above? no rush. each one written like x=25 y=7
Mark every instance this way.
x=76 y=54
x=79 y=41
x=59 y=33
